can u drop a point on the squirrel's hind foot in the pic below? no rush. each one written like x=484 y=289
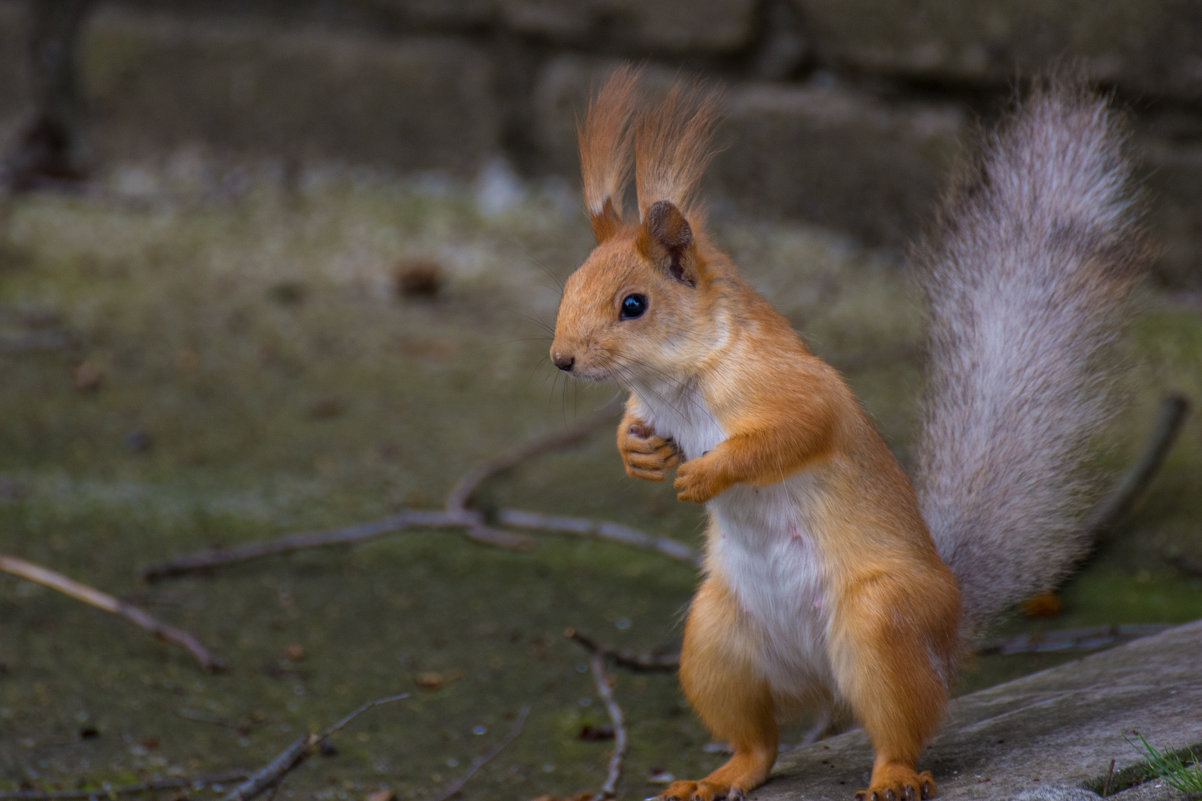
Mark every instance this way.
x=699 y=791
x=898 y=783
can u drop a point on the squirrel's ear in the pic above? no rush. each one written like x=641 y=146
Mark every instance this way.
x=667 y=240
x=606 y=222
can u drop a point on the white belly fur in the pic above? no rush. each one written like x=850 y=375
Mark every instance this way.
x=761 y=547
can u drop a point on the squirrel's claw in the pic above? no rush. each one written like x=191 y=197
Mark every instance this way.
x=699 y=791
x=904 y=788
x=646 y=455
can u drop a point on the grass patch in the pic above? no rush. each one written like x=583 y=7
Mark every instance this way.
x=1179 y=769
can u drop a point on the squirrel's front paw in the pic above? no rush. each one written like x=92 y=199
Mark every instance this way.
x=645 y=454
x=697 y=481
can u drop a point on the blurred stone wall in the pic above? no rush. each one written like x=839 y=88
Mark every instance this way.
x=846 y=113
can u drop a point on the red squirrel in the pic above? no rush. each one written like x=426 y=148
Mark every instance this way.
x=830 y=584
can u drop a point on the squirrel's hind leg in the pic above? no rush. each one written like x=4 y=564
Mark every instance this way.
x=891 y=658
x=719 y=676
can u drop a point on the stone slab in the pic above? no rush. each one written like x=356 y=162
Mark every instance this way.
x=155 y=82
x=1060 y=726
x=1145 y=46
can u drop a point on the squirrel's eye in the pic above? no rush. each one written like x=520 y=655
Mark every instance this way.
x=633 y=306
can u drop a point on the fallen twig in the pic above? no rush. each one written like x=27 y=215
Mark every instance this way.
x=456 y=514
x=480 y=761
x=597 y=529
x=460 y=496
x=606 y=691
x=289 y=543
x=1186 y=564
x=270 y=774
x=1173 y=411
x=472 y=522
x=90 y=595
x=108 y=791
x=639 y=663
x=1082 y=639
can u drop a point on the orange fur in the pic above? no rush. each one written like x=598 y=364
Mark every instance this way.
x=724 y=686
x=749 y=409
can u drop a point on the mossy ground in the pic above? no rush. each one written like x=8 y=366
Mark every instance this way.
x=254 y=372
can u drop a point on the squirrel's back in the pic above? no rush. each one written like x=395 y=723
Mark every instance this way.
x=1028 y=275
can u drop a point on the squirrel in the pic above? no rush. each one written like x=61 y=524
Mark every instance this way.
x=829 y=581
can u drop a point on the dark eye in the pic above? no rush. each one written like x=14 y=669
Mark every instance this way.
x=633 y=306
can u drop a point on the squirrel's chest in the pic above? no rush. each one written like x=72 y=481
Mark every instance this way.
x=682 y=415
x=762 y=543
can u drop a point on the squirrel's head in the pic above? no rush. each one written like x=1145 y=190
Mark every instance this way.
x=632 y=312
x=636 y=311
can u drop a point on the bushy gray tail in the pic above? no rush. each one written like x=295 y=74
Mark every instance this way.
x=1028 y=272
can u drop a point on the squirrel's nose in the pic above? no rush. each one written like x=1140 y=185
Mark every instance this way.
x=563 y=361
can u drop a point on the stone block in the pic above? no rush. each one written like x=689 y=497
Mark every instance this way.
x=14 y=89
x=1173 y=193
x=410 y=104
x=673 y=26
x=837 y=157
x=452 y=14
x=691 y=25
x=1061 y=727
x=1149 y=46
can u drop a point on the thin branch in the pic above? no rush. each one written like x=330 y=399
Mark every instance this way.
x=456 y=514
x=597 y=529
x=304 y=540
x=470 y=521
x=480 y=761
x=606 y=691
x=639 y=663
x=270 y=774
x=1173 y=411
x=1082 y=639
x=90 y=595
x=1109 y=777
x=107 y=791
x=461 y=495
x=1186 y=564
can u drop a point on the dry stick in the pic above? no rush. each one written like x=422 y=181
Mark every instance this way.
x=485 y=758
x=1109 y=776
x=460 y=496
x=639 y=663
x=270 y=774
x=606 y=691
x=153 y=786
x=462 y=493
x=90 y=595
x=1082 y=639
x=456 y=514
x=215 y=557
x=598 y=529
x=1186 y=564
x=1173 y=411
x=472 y=522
